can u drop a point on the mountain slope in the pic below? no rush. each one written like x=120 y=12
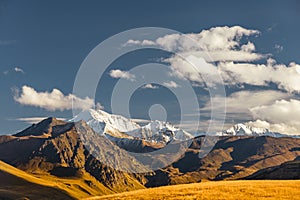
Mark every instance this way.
x=17 y=184
x=62 y=153
x=231 y=158
x=286 y=171
x=42 y=128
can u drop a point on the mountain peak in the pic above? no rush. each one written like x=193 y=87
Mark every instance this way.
x=117 y=125
x=101 y=121
x=41 y=128
x=241 y=129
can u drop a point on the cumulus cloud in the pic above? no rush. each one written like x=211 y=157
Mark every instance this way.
x=143 y=42
x=195 y=69
x=52 y=101
x=121 y=74
x=280 y=127
x=269 y=109
x=229 y=53
x=220 y=50
x=171 y=84
x=150 y=86
x=239 y=104
x=286 y=77
x=215 y=44
x=285 y=112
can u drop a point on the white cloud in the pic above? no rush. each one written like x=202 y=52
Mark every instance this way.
x=228 y=52
x=195 y=52
x=121 y=74
x=280 y=127
x=54 y=100
x=234 y=59
x=34 y=120
x=285 y=112
x=239 y=104
x=249 y=47
x=171 y=84
x=215 y=44
x=20 y=70
x=286 y=77
x=269 y=109
x=194 y=69
x=144 y=42
x=150 y=86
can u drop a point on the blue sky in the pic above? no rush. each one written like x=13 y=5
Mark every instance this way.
x=42 y=45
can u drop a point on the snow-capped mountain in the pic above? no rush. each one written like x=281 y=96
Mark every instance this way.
x=160 y=131
x=104 y=123
x=118 y=126
x=242 y=129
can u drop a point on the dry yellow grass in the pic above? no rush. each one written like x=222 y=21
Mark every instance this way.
x=21 y=183
x=265 y=189
x=60 y=188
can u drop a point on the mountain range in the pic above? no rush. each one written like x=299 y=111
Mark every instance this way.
x=241 y=129
x=52 y=156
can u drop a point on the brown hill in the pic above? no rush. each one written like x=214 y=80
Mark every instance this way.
x=54 y=147
x=231 y=158
x=286 y=171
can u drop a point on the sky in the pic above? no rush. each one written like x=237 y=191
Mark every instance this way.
x=253 y=45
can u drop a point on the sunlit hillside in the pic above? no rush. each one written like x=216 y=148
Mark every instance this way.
x=266 y=189
x=17 y=184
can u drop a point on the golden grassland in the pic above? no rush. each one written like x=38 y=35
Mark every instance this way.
x=241 y=189
x=16 y=183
